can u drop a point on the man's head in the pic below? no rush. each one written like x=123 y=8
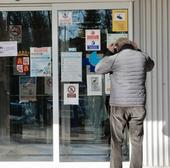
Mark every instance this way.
x=122 y=41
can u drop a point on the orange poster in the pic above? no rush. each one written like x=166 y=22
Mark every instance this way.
x=120 y=20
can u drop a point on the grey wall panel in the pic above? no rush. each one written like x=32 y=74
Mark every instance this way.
x=152 y=33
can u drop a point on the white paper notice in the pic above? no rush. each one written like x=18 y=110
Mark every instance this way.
x=8 y=48
x=112 y=37
x=107 y=84
x=71 y=66
x=65 y=18
x=94 y=85
x=71 y=94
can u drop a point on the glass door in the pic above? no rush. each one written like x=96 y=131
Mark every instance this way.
x=83 y=33
x=25 y=86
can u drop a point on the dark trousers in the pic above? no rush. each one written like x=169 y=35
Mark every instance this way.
x=133 y=118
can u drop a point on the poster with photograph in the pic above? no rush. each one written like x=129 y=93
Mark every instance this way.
x=94 y=84
x=92 y=40
x=40 y=61
x=27 y=89
x=71 y=94
x=71 y=66
x=8 y=48
x=120 y=20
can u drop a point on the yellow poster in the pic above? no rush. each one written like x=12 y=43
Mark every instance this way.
x=120 y=20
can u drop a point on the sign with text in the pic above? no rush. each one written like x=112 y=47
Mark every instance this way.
x=8 y=48
x=40 y=61
x=65 y=18
x=120 y=20
x=71 y=66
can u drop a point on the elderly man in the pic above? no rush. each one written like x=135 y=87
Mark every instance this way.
x=128 y=70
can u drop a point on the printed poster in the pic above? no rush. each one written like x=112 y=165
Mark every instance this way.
x=94 y=85
x=8 y=48
x=15 y=33
x=93 y=40
x=120 y=20
x=65 y=18
x=40 y=61
x=71 y=66
x=71 y=94
x=107 y=84
x=112 y=37
x=27 y=89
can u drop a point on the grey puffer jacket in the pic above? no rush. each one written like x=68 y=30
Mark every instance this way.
x=129 y=69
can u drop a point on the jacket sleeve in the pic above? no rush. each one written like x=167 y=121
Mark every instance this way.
x=149 y=63
x=105 y=65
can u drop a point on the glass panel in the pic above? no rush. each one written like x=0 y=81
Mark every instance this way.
x=25 y=101
x=84 y=123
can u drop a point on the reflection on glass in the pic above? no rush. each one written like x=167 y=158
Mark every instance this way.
x=85 y=128
x=25 y=126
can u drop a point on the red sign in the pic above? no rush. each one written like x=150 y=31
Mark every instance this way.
x=23 y=62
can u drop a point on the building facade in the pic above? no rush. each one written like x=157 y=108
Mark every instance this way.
x=53 y=107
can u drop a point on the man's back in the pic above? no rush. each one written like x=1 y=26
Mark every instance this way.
x=128 y=78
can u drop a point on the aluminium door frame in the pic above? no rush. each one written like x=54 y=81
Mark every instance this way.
x=77 y=6
x=26 y=164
